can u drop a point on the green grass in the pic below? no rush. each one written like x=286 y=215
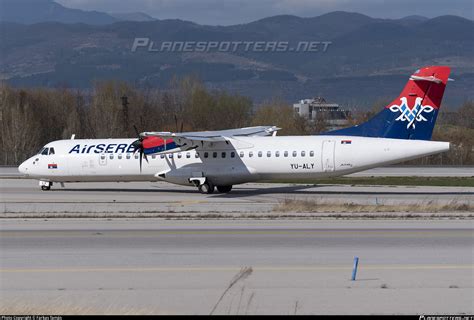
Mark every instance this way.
x=401 y=181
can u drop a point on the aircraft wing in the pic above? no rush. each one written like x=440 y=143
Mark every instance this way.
x=191 y=140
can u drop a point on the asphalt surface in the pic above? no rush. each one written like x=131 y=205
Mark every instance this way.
x=158 y=266
x=23 y=197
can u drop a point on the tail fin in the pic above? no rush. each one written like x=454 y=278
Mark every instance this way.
x=413 y=114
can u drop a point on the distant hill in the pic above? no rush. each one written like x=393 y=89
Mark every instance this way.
x=37 y=11
x=34 y=11
x=367 y=59
x=133 y=16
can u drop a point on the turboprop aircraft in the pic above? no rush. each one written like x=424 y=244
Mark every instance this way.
x=221 y=159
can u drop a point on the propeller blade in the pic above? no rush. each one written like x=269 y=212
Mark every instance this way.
x=141 y=157
x=138 y=145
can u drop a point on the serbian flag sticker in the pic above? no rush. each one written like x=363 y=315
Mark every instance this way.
x=52 y=166
x=346 y=141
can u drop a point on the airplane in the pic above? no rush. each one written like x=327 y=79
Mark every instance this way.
x=220 y=159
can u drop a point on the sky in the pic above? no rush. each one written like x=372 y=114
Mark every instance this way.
x=228 y=12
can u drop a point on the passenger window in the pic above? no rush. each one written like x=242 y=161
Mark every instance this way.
x=285 y=153
x=162 y=156
x=170 y=156
x=260 y=154
x=111 y=156
x=188 y=155
x=45 y=151
x=153 y=156
x=206 y=154
x=214 y=154
x=250 y=154
x=311 y=153
x=303 y=153
x=232 y=154
x=241 y=154
x=102 y=157
x=223 y=155
x=119 y=156
x=277 y=154
x=51 y=150
x=269 y=154
x=196 y=155
x=136 y=156
x=179 y=155
x=128 y=156
x=295 y=153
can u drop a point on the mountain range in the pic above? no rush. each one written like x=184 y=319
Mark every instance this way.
x=367 y=58
x=35 y=11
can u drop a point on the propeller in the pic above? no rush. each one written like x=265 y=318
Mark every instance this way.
x=138 y=144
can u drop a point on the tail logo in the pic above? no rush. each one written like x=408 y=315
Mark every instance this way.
x=412 y=115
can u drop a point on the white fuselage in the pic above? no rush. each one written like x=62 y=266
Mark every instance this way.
x=243 y=159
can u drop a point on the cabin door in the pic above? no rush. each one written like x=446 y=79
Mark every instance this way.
x=327 y=155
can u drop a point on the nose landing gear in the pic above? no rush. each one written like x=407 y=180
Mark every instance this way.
x=45 y=185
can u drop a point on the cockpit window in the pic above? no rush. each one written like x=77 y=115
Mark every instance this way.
x=45 y=151
x=51 y=150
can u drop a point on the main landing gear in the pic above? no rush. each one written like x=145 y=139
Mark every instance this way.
x=207 y=187
x=224 y=189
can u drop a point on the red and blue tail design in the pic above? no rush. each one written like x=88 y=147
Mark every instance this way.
x=155 y=144
x=413 y=114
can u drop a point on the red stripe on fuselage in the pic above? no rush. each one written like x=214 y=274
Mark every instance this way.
x=152 y=142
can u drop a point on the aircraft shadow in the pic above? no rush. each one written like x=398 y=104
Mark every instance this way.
x=240 y=192
x=301 y=191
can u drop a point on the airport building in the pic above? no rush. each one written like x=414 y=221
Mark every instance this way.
x=319 y=109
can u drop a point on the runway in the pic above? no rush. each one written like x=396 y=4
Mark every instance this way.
x=23 y=198
x=303 y=267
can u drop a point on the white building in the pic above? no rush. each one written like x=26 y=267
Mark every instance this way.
x=318 y=109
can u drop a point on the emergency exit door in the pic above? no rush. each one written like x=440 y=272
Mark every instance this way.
x=328 y=154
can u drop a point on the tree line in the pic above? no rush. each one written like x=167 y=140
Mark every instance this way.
x=30 y=118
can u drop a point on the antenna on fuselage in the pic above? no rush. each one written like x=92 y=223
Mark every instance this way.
x=73 y=136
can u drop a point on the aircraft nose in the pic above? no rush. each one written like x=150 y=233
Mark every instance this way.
x=23 y=168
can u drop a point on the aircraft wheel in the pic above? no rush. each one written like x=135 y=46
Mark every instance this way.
x=206 y=188
x=224 y=189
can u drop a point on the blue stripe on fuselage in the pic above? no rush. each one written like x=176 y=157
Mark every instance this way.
x=169 y=146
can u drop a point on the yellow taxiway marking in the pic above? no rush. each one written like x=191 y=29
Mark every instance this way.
x=224 y=269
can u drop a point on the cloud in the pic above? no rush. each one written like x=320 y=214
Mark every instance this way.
x=227 y=12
